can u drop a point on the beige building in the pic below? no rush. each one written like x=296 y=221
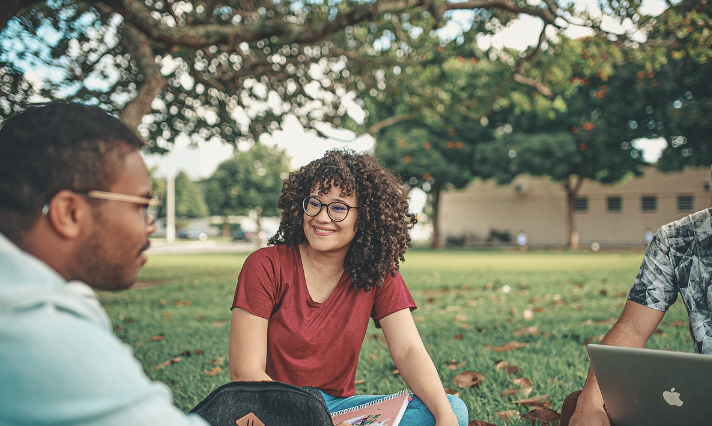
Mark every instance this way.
x=611 y=215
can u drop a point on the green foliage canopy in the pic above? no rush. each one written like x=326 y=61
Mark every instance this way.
x=251 y=179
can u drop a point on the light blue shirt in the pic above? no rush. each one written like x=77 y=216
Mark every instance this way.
x=60 y=364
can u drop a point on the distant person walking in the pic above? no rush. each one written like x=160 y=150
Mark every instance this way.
x=522 y=240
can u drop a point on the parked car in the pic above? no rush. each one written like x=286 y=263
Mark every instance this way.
x=241 y=235
x=192 y=234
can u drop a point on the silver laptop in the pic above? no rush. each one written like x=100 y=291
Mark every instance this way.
x=653 y=388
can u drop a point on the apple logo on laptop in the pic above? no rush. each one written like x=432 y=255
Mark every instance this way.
x=672 y=397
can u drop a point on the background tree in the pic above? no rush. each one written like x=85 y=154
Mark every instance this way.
x=189 y=199
x=234 y=68
x=249 y=181
x=429 y=159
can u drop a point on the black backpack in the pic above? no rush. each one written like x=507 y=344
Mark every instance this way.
x=263 y=403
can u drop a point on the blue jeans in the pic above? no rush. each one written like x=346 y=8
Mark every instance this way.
x=417 y=414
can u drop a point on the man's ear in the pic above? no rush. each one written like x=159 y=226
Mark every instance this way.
x=68 y=213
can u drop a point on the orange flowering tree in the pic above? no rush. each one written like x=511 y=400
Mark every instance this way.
x=429 y=158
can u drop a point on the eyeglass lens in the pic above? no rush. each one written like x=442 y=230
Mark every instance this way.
x=153 y=209
x=337 y=211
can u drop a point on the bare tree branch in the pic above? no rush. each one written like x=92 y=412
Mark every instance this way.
x=137 y=44
x=507 y=5
x=388 y=122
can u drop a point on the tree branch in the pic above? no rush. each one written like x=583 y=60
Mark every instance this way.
x=137 y=44
x=388 y=122
x=507 y=5
x=137 y=13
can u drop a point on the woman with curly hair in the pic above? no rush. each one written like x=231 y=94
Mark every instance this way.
x=302 y=306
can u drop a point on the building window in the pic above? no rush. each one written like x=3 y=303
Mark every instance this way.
x=649 y=203
x=685 y=203
x=581 y=204
x=614 y=204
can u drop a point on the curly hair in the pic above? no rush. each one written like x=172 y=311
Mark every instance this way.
x=383 y=218
x=55 y=146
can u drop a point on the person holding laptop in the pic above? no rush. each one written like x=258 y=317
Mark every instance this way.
x=75 y=214
x=677 y=262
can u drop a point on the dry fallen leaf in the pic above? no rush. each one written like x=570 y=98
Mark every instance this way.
x=526 y=331
x=460 y=317
x=510 y=391
x=197 y=351
x=677 y=323
x=169 y=362
x=360 y=382
x=535 y=401
x=524 y=384
x=182 y=302
x=396 y=372
x=507 y=416
x=213 y=371
x=468 y=379
x=479 y=423
x=452 y=392
x=454 y=365
x=509 y=369
x=510 y=346
x=157 y=338
x=538 y=309
x=459 y=336
x=544 y=416
x=218 y=361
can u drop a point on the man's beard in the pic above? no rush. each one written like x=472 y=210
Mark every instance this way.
x=99 y=264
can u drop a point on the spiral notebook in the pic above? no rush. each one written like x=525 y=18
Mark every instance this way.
x=386 y=411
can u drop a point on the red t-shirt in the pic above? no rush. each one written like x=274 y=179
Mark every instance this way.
x=310 y=343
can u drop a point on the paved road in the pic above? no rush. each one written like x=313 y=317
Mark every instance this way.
x=159 y=246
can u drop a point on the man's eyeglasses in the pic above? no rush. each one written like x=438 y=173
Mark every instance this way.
x=151 y=205
x=336 y=210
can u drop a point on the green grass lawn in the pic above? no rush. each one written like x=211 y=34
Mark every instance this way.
x=556 y=301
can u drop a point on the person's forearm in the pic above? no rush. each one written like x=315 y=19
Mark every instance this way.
x=242 y=374
x=418 y=371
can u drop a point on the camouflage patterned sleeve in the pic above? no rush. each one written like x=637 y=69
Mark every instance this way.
x=655 y=286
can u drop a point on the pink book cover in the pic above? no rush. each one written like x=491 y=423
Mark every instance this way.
x=386 y=411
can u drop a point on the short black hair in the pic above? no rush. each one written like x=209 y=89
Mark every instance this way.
x=50 y=147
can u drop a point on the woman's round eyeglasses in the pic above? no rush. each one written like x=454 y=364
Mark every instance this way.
x=336 y=210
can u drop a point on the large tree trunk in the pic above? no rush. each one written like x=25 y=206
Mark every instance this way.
x=226 y=227
x=572 y=187
x=258 y=221
x=435 y=205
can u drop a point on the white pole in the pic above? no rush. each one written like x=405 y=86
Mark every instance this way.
x=170 y=199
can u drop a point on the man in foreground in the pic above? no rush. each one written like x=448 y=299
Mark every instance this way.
x=678 y=261
x=75 y=215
